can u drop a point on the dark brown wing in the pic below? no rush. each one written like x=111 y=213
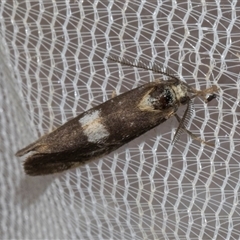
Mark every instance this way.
x=48 y=163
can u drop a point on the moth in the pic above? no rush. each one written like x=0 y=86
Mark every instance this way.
x=106 y=127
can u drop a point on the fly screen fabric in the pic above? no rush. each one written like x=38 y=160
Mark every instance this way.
x=54 y=66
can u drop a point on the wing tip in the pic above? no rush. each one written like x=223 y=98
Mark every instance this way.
x=27 y=149
x=45 y=164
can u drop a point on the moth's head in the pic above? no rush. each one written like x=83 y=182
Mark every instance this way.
x=184 y=93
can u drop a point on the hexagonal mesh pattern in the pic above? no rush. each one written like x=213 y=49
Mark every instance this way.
x=53 y=66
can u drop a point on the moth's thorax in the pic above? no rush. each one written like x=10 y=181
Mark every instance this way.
x=165 y=97
x=181 y=93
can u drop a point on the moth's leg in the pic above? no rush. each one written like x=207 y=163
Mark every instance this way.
x=193 y=136
x=114 y=94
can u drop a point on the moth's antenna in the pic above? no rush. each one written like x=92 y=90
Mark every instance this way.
x=183 y=123
x=149 y=67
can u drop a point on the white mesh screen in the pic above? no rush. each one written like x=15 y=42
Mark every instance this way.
x=54 y=66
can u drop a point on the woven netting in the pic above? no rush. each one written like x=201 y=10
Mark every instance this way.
x=54 y=66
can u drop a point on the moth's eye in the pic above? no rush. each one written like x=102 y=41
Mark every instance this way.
x=184 y=100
